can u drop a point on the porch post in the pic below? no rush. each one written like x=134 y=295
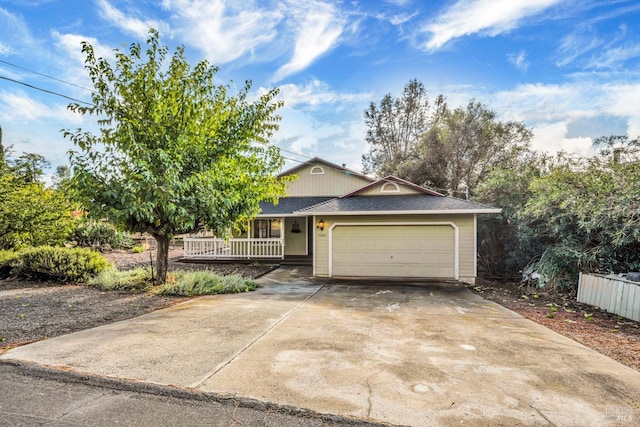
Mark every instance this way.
x=282 y=231
x=249 y=244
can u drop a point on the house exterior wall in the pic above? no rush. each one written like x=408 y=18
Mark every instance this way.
x=295 y=243
x=330 y=183
x=466 y=224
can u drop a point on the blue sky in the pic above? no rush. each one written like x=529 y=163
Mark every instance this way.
x=569 y=69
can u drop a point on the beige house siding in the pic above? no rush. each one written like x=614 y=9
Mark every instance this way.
x=295 y=243
x=466 y=236
x=390 y=189
x=331 y=182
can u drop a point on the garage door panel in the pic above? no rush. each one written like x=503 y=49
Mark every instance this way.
x=394 y=251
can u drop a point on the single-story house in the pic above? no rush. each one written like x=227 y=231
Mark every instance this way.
x=352 y=225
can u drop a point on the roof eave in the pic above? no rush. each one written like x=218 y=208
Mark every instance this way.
x=409 y=212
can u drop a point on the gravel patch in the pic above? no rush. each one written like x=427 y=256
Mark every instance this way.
x=32 y=311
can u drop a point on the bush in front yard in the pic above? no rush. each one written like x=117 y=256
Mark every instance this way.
x=93 y=233
x=194 y=283
x=128 y=280
x=75 y=265
x=7 y=259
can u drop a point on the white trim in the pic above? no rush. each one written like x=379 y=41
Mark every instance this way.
x=475 y=245
x=306 y=236
x=396 y=188
x=320 y=168
x=315 y=240
x=456 y=238
x=287 y=215
x=434 y=212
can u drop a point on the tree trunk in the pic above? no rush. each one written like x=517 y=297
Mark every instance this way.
x=162 y=258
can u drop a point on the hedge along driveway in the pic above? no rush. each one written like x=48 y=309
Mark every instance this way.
x=433 y=354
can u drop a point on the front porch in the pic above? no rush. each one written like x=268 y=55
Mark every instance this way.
x=265 y=239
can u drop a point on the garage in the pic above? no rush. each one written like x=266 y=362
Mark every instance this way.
x=427 y=250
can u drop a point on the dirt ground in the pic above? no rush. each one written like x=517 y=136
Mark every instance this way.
x=609 y=334
x=31 y=311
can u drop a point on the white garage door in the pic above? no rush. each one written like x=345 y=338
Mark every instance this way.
x=393 y=251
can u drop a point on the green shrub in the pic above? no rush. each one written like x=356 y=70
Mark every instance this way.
x=194 y=283
x=31 y=214
x=91 y=233
x=137 y=249
x=76 y=265
x=129 y=280
x=7 y=259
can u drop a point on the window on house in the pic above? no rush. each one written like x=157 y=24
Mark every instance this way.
x=390 y=187
x=266 y=229
x=317 y=170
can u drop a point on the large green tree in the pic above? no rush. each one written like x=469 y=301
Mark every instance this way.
x=450 y=150
x=395 y=126
x=175 y=151
x=566 y=214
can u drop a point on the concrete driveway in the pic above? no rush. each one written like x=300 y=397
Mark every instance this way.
x=434 y=354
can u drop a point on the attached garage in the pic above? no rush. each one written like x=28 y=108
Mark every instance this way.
x=426 y=250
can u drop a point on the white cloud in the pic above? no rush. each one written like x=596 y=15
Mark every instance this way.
x=555 y=111
x=316 y=93
x=575 y=45
x=592 y=50
x=318 y=28
x=486 y=17
x=18 y=106
x=519 y=60
x=138 y=27
x=224 y=31
x=15 y=33
x=402 y=18
x=552 y=138
x=71 y=44
x=622 y=100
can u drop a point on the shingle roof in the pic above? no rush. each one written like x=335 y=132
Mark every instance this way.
x=289 y=205
x=418 y=203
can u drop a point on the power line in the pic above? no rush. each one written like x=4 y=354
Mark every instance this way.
x=45 y=90
x=45 y=75
x=122 y=113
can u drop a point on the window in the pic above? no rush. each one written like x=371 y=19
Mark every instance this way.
x=316 y=170
x=266 y=229
x=390 y=187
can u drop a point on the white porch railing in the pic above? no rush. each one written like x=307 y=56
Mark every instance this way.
x=211 y=248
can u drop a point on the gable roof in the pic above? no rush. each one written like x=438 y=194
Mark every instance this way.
x=317 y=161
x=398 y=204
x=424 y=201
x=392 y=178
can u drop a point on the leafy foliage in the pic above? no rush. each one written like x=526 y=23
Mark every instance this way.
x=204 y=283
x=7 y=260
x=175 y=151
x=569 y=214
x=179 y=283
x=32 y=215
x=92 y=233
x=75 y=265
x=128 y=280
x=448 y=150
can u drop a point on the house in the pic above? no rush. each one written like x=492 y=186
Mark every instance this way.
x=352 y=225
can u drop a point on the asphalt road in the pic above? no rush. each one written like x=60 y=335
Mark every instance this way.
x=32 y=396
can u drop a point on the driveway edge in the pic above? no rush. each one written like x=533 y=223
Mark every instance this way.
x=68 y=376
